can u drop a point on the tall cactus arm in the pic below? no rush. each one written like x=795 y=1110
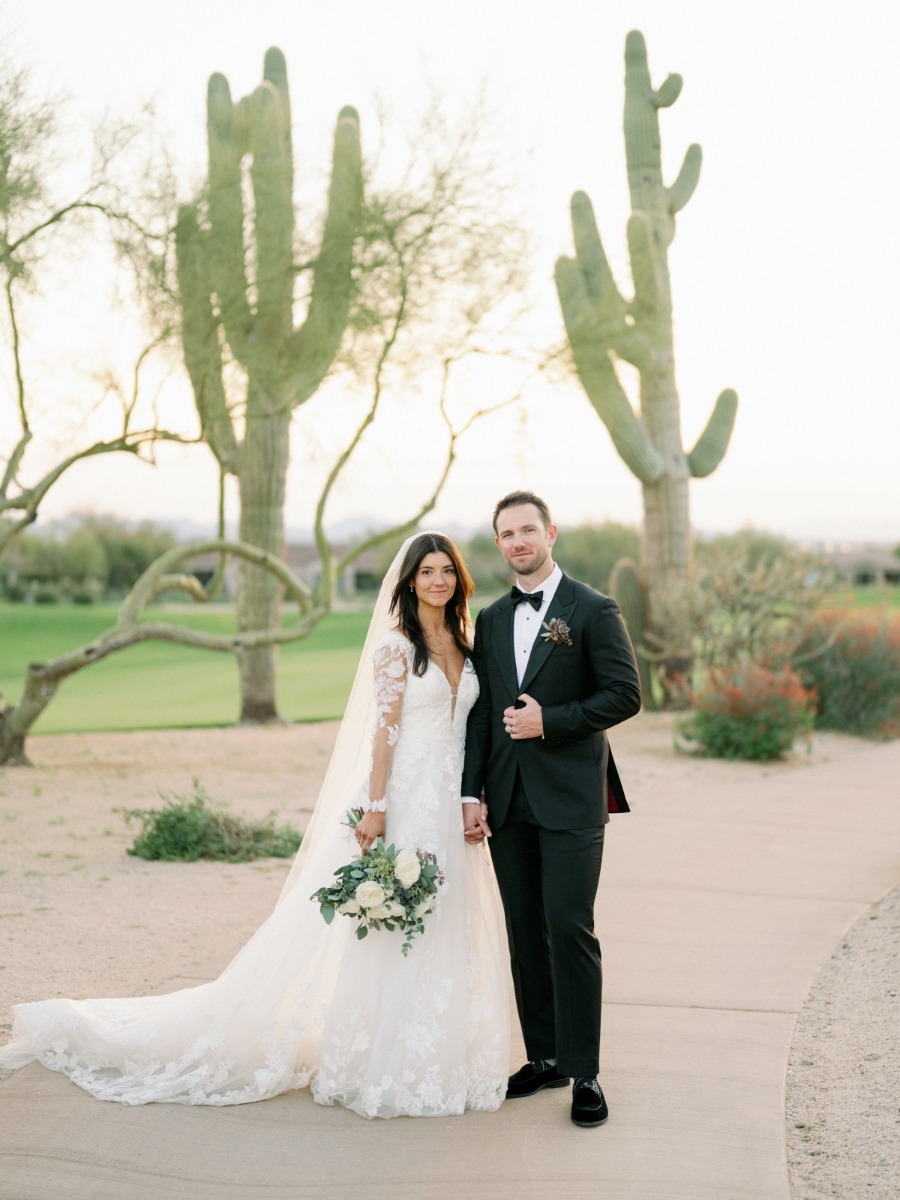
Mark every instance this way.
x=272 y=177
x=599 y=378
x=649 y=292
x=200 y=339
x=316 y=343
x=688 y=177
x=595 y=269
x=275 y=73
x=667 y=92
x=609 y=310
x=227 y=128
x=712 y=443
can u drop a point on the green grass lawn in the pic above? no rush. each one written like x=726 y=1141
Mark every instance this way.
x=158 y=685
x=887 y=597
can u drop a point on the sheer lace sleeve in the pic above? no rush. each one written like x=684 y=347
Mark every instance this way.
x=391 y=668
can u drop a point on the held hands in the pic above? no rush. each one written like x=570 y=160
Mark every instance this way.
x=526 y=721
x=370 y=827
x=475 y=826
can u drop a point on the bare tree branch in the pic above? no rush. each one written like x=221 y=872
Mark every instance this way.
x=43 y=679
x=29 y=500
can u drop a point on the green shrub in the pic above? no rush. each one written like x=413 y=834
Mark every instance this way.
x=750 y=712
x=852 y=659
x=589 y=552
x=88 y=592
x=188 y=828
x=46 y=595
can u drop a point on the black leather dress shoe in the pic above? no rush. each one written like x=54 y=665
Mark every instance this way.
x=534 y=1077
x=588 y=1103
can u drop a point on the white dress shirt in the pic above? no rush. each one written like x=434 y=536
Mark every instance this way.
x=526 y=626
x=527 y=620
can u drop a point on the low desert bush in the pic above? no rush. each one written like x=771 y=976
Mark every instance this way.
x=189 y=827
x=749 y=712
x=751 y=598
x=852 y=660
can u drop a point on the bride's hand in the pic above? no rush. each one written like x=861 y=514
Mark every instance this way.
x=372 y=825
x=475 y=825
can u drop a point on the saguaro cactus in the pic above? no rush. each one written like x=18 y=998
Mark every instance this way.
x=603 y=326
x=236 y=278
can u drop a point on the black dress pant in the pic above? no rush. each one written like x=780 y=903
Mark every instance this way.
x=548 y=882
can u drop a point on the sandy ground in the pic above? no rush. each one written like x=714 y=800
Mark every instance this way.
x=842 y=1112
x=80 y=917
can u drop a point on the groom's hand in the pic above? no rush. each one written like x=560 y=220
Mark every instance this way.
x=526 y=720
x=475 y=826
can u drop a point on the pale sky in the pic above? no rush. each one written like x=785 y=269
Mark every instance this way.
x=784 y=265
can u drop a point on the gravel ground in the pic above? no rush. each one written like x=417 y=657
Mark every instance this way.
x=843 y=1085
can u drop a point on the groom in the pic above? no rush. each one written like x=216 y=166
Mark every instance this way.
x=556 y=669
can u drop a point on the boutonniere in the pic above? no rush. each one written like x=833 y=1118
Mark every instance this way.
x=557 y=631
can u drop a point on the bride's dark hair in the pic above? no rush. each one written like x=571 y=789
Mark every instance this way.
x=406 y=606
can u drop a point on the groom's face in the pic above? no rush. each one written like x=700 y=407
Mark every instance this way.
x=523 y=539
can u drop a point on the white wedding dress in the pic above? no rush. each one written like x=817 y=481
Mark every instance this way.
x=308 y=1004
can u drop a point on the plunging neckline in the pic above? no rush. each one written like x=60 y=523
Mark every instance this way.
x=454 y=691
x=454 y=687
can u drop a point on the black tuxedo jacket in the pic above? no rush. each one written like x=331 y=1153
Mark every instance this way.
x=569 y=775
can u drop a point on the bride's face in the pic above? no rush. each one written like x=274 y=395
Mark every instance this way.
x=435 y=580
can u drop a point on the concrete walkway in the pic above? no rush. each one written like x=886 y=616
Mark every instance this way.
x=716 y=911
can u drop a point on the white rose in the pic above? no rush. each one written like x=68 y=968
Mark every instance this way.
x=378 y=913
x=407 y=868
x=370 y=894
x=349 y=906
x=395 y=908
x=422 y=910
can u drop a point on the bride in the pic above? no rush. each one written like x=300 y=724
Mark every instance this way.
x=308 y=1004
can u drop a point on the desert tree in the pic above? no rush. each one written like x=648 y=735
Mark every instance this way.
x=436 y=282
x=44 y=218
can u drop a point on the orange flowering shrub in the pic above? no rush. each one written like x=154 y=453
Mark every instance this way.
x=750 y=712
x=852 y=659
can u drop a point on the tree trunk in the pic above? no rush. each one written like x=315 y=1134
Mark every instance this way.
x=12 y=748
x=264 y=462
x=15 y=723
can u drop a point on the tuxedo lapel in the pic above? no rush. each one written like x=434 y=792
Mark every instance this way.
x=502 y=645
x=562 y=605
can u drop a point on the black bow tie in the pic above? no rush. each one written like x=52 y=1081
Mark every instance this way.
x=535 y=599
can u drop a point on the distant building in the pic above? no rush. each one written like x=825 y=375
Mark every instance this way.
x=862 y=566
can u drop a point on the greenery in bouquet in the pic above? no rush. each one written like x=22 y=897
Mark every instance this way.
x=385 y=888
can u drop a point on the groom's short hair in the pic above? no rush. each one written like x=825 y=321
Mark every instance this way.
x=513 y=499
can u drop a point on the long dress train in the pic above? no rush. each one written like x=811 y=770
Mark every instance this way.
x=307 y=1004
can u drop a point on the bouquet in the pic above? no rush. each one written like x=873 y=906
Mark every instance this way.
x=385 y=888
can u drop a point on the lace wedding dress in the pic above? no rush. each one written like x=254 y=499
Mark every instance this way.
x=426 y=1034
x=305 y=1003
